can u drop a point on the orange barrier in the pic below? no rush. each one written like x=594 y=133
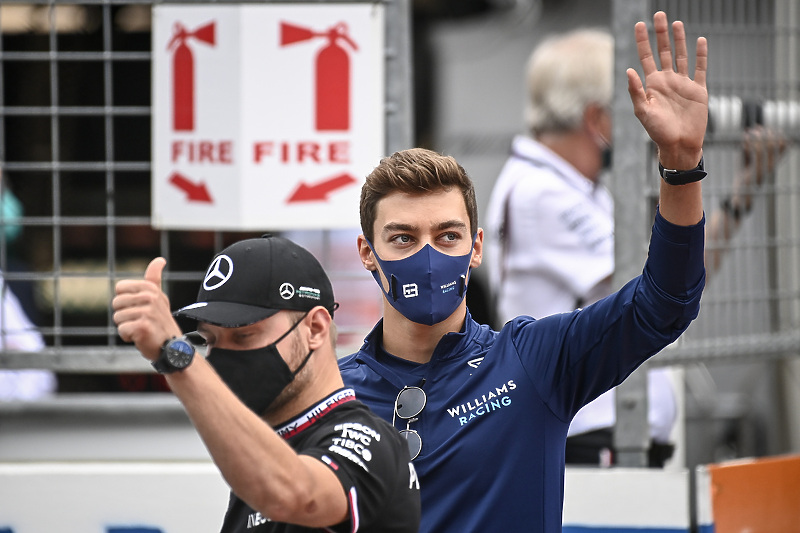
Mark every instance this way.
x=756 y=496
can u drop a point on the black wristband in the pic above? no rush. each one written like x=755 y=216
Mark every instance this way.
x=682 y=177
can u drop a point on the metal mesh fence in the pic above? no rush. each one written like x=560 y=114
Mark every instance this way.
x=751 y=307
x=75 y=157
x=739 y=358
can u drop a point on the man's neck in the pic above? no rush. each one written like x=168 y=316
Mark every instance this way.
x=577 y=149
x=416 y=342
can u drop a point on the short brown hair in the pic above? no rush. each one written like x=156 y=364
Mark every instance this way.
x=415 y=171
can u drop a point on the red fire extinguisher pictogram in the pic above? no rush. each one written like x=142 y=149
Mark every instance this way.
x=183 y=73
x=332 y=68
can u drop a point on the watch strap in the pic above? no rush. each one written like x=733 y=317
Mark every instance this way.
x=161 y=366
x=682 y=177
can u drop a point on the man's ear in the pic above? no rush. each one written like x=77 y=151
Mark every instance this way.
x=477 y=250
x=319 y=325
x=593 y=117
x=365 y=253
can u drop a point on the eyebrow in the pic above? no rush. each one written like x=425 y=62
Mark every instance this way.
x=446 y=224
x=398 y=226
x=451 y=224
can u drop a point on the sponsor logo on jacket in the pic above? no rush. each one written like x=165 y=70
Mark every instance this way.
x=489 y=402
x=353 y=443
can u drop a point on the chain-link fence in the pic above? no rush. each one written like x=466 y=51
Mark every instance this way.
x=739 y=356
x=752 y=304
x=75 y=123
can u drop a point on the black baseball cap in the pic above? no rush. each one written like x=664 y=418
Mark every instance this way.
x=253 y=279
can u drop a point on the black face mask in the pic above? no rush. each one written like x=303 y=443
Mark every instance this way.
x=606 y=153
x=608 y=156
x=257 y=376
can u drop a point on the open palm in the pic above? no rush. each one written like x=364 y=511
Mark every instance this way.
x=674 y=108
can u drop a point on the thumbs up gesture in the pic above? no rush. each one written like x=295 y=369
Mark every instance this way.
x=142 y=311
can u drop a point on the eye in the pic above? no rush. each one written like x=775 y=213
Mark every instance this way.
x=241 y=337
x=450 y=238
x=403 y=238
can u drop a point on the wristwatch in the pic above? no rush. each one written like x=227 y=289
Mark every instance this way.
x=682 y=177
x=176 y=354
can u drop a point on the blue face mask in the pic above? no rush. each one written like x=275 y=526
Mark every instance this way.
x=426 y=287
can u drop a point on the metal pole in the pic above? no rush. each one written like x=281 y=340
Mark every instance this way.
x=628 y=186
x=399 y=77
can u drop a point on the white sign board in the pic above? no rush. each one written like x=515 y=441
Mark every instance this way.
x=265 y=116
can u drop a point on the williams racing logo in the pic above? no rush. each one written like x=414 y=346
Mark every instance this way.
x=493 y=400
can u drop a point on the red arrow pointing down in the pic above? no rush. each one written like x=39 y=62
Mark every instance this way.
x=195 y=192
x=321 y=189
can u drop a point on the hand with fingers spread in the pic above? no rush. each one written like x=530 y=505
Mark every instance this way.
x=671 y=106
x=142 y=312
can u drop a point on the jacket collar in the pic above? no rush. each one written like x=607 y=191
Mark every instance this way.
x=453 y=345
x=537 y=154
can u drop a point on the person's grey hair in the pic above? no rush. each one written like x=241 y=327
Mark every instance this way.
x=565 y=74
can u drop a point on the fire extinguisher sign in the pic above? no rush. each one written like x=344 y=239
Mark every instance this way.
x=265 y=116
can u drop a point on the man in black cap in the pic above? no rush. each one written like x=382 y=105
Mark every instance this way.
x=299 y=452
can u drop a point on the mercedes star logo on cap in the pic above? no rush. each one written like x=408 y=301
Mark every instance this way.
x=286 y=291
x=218 y=273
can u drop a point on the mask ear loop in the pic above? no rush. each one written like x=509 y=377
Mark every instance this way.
x=462 y=285
x=392 y=279
x=291 y=328
x=299 y=368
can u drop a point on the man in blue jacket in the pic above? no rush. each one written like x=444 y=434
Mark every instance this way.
x=486 y=413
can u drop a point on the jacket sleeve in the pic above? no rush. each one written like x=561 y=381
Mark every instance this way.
x=574 y=357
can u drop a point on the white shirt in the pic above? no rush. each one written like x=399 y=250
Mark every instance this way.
x=18 y=333
x=550 y=249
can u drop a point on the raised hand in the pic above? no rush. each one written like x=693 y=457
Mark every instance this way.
x=673 y=108
x=142 y=311
x=762 y=148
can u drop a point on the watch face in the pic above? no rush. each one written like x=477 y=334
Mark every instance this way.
x=180 y=353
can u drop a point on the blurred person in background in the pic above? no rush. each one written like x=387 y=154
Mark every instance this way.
x=550 y=219
x=761 y=149
x=17 y=331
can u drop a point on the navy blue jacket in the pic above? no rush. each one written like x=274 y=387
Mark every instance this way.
x=500 y=403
